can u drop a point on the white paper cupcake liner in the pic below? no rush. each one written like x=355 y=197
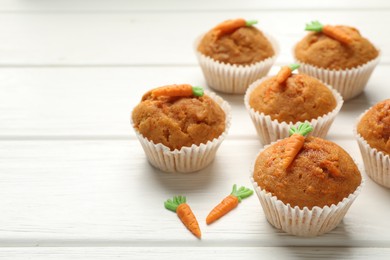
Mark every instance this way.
x=376 y=163
x=187 y=159
x=302 y=222
x=270 y=130
x=234 y=79
x=349 y=82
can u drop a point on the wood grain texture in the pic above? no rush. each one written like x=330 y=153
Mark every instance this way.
x=195 y=253
x=96 y=102
x=133 y=39
x=95 y=193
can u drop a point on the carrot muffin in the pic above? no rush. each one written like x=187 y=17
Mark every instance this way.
x=321 y=174
x=290 y=98
x=241 y=45
x=374 y=126
x=179 y=119
x=299 y=98
x=324 y=51
x=373 y=136
x=305 y=174
x=337 y=48
x=233 y=54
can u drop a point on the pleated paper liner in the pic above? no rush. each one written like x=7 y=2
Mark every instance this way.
x=234 y=79
x=187 y=159
x=349 y=82
x=302 y=222
x=270 y=130
x=376 y=163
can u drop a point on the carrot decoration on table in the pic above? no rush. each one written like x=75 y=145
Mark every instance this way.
x=228 y=203
x=230 y=26
x=178 y=204
x=295 y=142
x=183 y=90
x=285 y=72
x=329 y=30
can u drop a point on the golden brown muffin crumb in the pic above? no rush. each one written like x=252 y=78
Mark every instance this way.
x=246 y=45
x=299 y=98
x=176 y=122
x=322 y=174
x=374 y=126
x=324 y=52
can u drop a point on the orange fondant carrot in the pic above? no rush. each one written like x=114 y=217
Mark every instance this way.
x=329 y=30
x=295 y=143
x=230 y=26
x=337 y=34
x=178 y=204
x=228 y=203
x=183 y=90
x=285 y=72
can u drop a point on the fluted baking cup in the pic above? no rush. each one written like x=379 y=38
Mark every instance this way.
x=349 y=82
x=270 y=130
x=234 y=79
x=302 y=222
x=376 y=163
x=187 y=159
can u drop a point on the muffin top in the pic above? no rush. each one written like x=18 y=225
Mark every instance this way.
x=374 y=126
x=298 y=98
x=234 y=42
x=320 y=174
x=322 y=49
x=177 y=120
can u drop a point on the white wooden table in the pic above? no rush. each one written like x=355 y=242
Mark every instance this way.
x=74 y=181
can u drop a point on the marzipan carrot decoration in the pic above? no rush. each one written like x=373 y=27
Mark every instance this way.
x=329 y=30
x=230 y=26
x=285 y=72
x=178 y=204
x=295 y=142
x=228 y=203
x=183 y=90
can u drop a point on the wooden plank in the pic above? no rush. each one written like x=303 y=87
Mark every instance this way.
x=177 y=5
x=133 y=39
x=104 y=193
x=96 y=102
x=194 y=253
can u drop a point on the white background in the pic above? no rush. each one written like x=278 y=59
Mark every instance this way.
x=74 y=181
